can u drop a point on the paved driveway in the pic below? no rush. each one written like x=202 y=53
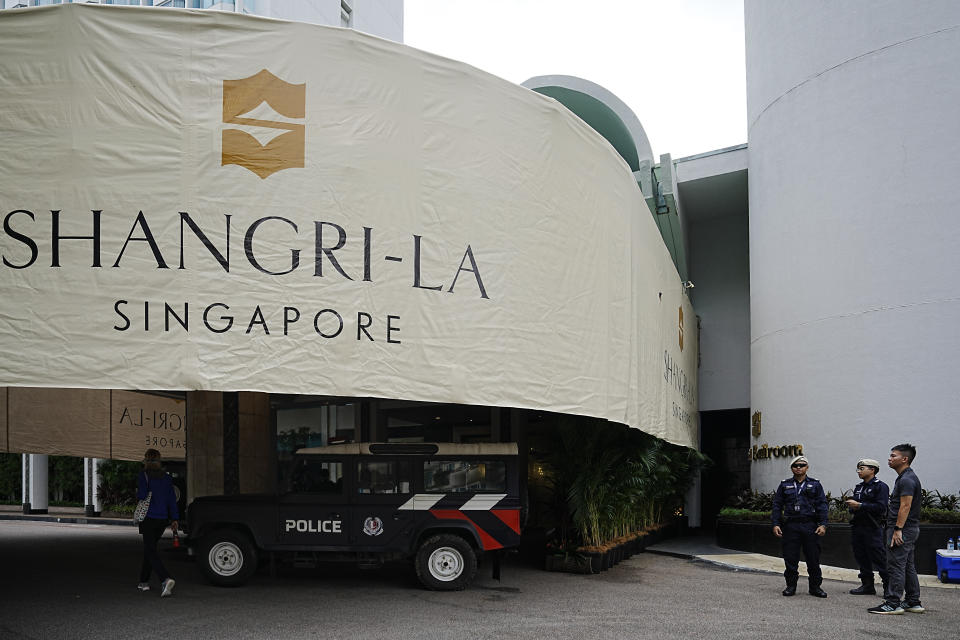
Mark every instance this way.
x=79 y=581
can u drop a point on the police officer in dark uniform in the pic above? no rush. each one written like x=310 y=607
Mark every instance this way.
x=800 y=518
x=869 y=507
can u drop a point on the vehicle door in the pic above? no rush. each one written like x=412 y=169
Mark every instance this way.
x=313 y=512
x=473 y=492
x=381 y=486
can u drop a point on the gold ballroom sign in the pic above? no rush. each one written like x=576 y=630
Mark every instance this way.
x=766 y=452
x=388 y=223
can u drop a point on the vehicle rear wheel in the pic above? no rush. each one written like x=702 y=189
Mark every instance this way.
x=446 y=562
x=227 y=558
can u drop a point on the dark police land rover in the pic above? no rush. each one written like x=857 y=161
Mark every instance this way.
x=438 y=504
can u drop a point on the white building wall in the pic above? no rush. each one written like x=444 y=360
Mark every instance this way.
x=713 y=190
x=383 y=18
x=854 y=233
x=720 y=268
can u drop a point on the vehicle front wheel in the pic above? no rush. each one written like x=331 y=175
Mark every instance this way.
x=446 y=562
x=227 y=558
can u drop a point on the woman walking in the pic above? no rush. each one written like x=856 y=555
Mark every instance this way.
x=163 y=509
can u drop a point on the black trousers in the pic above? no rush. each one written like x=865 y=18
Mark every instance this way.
x=152 y=530
x=797 y=536
x=870 y=553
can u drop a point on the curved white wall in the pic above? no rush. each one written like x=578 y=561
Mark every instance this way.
x=854 y=234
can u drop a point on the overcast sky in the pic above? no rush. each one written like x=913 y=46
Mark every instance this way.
x=679 y=64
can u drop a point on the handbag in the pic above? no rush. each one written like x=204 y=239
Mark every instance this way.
x=140 y=513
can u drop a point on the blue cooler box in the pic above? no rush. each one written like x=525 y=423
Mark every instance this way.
x=948 y=565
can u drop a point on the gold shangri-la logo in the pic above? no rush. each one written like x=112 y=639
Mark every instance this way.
x=263 y=108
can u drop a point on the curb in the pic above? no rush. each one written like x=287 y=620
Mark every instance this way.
x=927 y=581
x=733 y=567
x=712 y=562
x=67 y=519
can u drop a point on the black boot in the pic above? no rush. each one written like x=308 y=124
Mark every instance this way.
x=818 y=592
x=790 y=590
x=864 y=590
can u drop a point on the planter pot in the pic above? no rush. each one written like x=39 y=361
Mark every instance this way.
x=642 y=543
x=569 y=563
x=597 y=561
x=553 y=563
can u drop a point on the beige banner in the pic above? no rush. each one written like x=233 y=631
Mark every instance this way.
x=141 y=421
x=236 y=216
x=60 y=422
x=92 y=423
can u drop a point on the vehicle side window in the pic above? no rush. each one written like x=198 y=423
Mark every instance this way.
x=383 y=477
x=453 y=476
x=315 y=476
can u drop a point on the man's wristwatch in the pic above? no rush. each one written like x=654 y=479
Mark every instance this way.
x=896 y=528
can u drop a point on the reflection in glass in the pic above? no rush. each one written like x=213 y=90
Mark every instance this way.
x=383 y=477
x=316 y=426
x=459 y=476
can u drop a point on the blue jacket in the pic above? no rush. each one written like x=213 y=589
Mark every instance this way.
x=163 y=502
x=810 y=505
x=873 y=497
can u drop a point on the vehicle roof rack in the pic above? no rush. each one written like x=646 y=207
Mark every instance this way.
x=415 y=448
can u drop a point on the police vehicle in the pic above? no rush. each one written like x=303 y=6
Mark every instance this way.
x=440 y=505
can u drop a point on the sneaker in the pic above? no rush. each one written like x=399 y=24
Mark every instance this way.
x=887 y=608
x=912 y=608
x=170 y=582
x=144 y=586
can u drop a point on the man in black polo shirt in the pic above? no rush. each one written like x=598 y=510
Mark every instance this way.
x=903 y=529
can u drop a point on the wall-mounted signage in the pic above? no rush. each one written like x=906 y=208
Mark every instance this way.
x=141 y=421
x=94 y=423
x=766 y=452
